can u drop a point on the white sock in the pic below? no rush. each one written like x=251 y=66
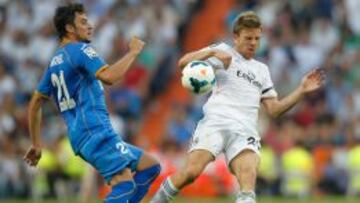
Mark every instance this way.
x=246 y=197
x=166 y=192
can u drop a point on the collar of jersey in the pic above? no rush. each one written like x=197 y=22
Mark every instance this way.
x=241 y=56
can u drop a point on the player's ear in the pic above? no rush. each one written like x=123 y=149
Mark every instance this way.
x=70 y=28
x=235 y=37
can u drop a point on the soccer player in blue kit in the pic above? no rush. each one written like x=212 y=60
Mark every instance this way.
x=74 y=79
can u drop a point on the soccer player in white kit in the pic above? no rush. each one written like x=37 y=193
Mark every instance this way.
x=231 y=112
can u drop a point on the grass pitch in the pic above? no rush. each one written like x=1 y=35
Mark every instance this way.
x=275 y=200
x=222 y=200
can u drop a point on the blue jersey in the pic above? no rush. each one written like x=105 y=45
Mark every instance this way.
x=71 y=80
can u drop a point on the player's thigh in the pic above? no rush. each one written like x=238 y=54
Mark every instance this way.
x=247 y=161
x=109 y=156
x=242 y=151
x=139 y=159
x=123 y=175
x=205 y=139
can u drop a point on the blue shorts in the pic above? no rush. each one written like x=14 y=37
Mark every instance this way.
x=110 y=154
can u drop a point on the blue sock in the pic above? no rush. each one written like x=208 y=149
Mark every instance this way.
x=121 y=193
x=143 y=180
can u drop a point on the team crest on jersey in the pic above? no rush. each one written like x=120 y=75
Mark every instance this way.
x=196 y=140
x=90 y=52
x=250 y=77
x=57 y=60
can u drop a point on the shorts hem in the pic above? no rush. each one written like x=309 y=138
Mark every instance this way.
x=203 y=148
x=110 y=175
x=243 y=149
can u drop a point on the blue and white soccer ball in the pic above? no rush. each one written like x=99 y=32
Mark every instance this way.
x=198 y=77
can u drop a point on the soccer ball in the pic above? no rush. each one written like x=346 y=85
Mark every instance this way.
x=198 y=77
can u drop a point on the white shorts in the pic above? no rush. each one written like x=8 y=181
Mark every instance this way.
x=221 y=140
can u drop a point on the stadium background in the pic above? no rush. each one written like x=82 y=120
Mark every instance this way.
x=313 y=151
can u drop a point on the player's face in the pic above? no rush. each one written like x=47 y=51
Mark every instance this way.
x=247 y=41
x=83 y=29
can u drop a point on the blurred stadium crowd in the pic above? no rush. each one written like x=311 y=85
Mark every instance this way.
x=312 y=150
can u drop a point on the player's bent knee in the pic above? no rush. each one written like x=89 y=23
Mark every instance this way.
x=122 y=176
x=146 y=161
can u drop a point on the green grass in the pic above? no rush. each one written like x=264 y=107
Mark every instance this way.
x=275 y=200
x=223 y=200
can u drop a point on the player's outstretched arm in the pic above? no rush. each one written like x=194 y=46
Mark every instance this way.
x=310 y=82
x=33 y=155
x=224 y=57
x=118 y=69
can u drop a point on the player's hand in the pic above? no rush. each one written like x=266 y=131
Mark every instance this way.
x=313 y=80
x=223 y=56
x=136 y=45
x=33 y=156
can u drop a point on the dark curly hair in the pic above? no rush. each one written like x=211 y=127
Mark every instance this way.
x=65 y=15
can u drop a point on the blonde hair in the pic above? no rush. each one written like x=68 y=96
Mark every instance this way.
x=248 y=19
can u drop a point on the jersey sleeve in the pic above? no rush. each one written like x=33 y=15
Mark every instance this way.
x=268 y=90
x=90 y=60
x=44 y=88
x=218 y=46
x=215 y=62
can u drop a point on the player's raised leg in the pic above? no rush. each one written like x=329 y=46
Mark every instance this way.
x=195 y=164
x=115 y=160
x=147 y=170
x=245 y=166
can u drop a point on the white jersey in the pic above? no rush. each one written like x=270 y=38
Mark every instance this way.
x=235 y=99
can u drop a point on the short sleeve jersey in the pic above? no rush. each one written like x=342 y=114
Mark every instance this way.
x=71 y=81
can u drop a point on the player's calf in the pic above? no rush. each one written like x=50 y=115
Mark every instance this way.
x=244 y=166
x=143 y=180
x=247 y=177
x=187 y=176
